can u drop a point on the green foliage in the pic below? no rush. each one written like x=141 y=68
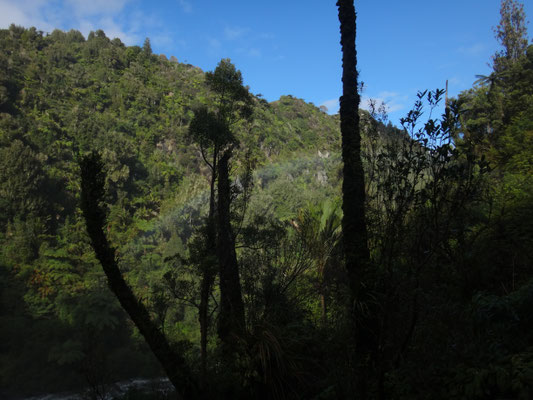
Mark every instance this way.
x=448 y=207
x=511 y=33
x=22 y=182
x=61 y=96
x=206 y=129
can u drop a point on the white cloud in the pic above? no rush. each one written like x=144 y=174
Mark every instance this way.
x=11 y=14
x=393 y=107
x=82 y=15
x=332 y=105
x=86 y=8
x=26 y=13
x=366 y=102
x=113 y=30
x=393 y=101
x=91 y=15
x=85 y=27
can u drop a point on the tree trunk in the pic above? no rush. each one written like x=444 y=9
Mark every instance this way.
x=206 y=287
x=208 y=272
x=357 y=257
x=174 y=365
x=323 y=309
x=322 y=292
x=353 y=186
x=231 y=318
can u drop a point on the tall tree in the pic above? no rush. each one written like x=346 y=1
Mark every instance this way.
x=231 y=317
x=214 y=132
x=233 y=104
x=211 y=134
x=511 y=33
x=353 y=187
x=489 y=108
x=356 y=253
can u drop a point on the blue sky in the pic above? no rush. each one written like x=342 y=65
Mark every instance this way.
x=292 y=46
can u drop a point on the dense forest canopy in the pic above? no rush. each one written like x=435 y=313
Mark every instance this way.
x=219 y=216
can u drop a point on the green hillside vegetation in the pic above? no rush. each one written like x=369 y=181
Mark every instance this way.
x=63 y=96
x=449 y=213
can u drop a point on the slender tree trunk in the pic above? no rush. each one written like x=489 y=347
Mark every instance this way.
x=173 y=363
x=323 y=309
x=353 y=186
x=231 y=317
x=206 y=287
x=357 y=257
x=208 y=272
x=322 y=283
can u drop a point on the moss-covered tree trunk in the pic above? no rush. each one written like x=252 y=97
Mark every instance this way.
x=354 y=230
x=353 y=186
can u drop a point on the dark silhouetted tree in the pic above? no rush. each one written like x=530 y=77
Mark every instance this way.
x=356 y=253
x=233 y=103
x=213 y=132
x=353 y=188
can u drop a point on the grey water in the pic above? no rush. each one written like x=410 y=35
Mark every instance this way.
x=162 y=386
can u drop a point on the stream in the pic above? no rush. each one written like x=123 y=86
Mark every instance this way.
x=112 y=391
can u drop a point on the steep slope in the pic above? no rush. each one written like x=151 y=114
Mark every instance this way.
x=62 y=95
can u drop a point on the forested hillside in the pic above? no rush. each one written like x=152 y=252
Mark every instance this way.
x=63 y=96
x=201 y=179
